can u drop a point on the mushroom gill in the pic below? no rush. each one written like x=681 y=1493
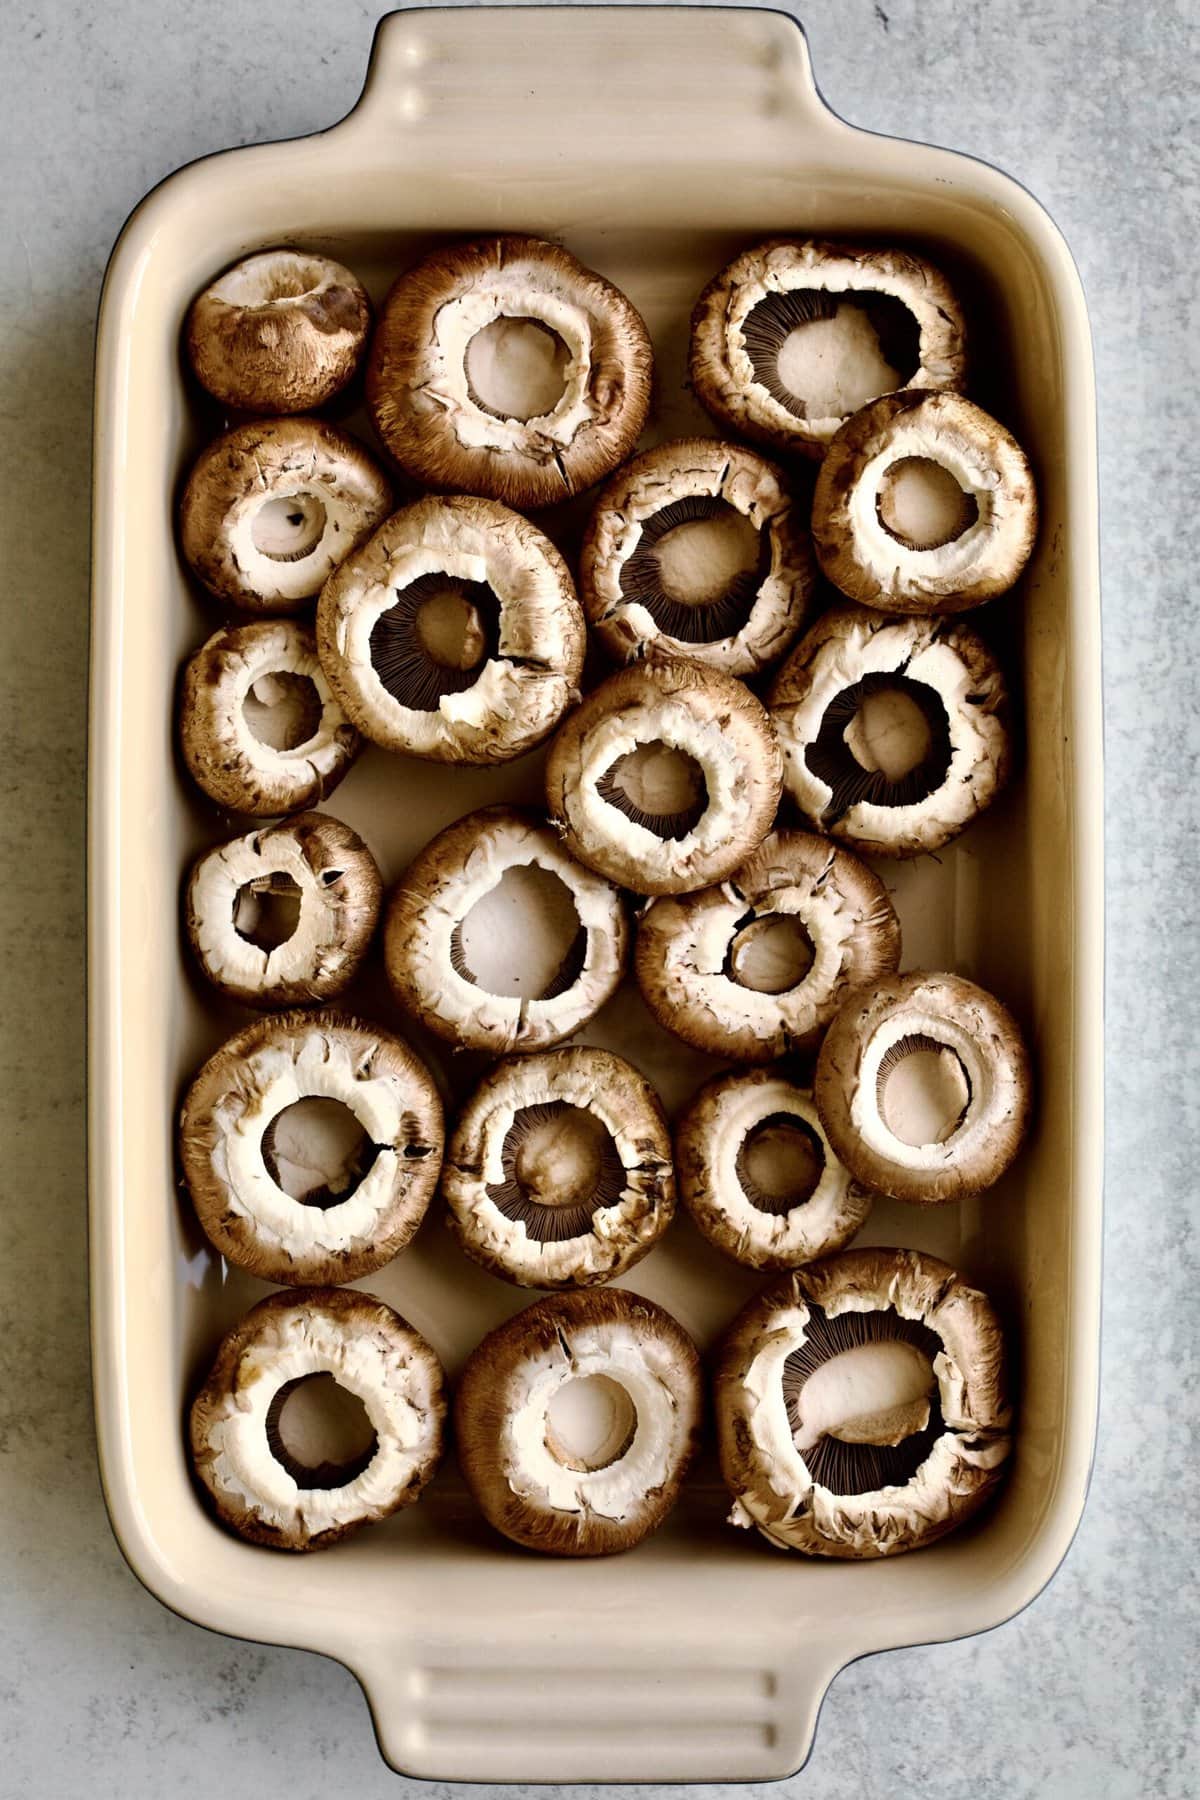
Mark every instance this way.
x=883 y=741
x=561 y=1167
x=871 y=343
x=433 y=641
x=724 y=573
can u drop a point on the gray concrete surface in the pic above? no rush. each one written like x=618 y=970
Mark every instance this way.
x=1091 y=1694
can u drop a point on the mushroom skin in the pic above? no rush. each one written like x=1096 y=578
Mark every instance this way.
x=506 y=1446
x=721 y=367
x=420 y=393
x=225 y=759
x=702 y=712
x=527 y=681
x=340 y=892
x=867 y=561
x=937 y=1010
x=239 y=1092
x=474 y=1177
x=685 y=950
x=282 y=331
x=708 y=471
x=772 y=1487
x=717 y=1124
x=371 y=1351
x=339 y=491
x=849 y=646
x=428 y=905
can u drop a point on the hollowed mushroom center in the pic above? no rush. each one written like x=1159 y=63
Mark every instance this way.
x=922 y=1091
x=451 y=630
x=282 y=709
x=823 y=355
x=434 y=640
x=889 y=733
x=700 y=558
x=523 y=938
x=658 y=787
x=516 y=368
x=883 y=741
x=590 y=1423
x=560 y=1167
x=288 y=527
x=317 y=1151
x=697 y=567
x=266 y=282
x=320 y=1432
x=779 y=1164
x=266 y=911
x=771 y=955
x=921 y=504
x=873 y=1394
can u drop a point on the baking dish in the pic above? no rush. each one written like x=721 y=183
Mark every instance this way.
x=653 y=153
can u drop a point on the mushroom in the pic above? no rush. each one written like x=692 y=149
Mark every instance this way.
x=667 y=776
x=272 y=507
x=310 y=1145
x=576 y=1422
x=505 y=367
x=454 y=634
x=894 y=730
x=758 y=1175
x=284 y=916
x=924 y=1087
x=924 y=504
x=862 y=1405
x=259 y=726
x=494 y=889
x=280 y=332
x=284 y=1352
x=758 y=965
x=794 y=336
x=697 y=546
x=558 y=1172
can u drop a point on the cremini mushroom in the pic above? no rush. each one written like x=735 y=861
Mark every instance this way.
x=505 y=367
x=454 y=633
x=794 y=336
x=758 y=1175
x=284 y=916
x=924 y=1087
x=272 y=507
x=311 y=1145
x=697 y=546
x=757 y=966
x=259 y=726
x=667 y=776
x=862 y=1405
x=370 y=1435
x=497 y=940
x=280 y=332
x=924 y=504
x=558 y=1171
x=576 y=1422
x=894 y=730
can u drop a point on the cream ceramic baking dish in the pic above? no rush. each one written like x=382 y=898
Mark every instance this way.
x=653 y=152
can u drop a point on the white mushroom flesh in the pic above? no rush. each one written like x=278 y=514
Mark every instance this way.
x=518 y=291
x=967 y=1089
x=873 y=1394
x=804 y=1230
x=214 y=897
x=254 y=673
x=972 y=467
x=676 y=727
x=834 y=366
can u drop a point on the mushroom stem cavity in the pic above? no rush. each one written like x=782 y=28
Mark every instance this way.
x=883 y=741
x=266 y=911
x=658 y=787
x=823 y=354
x=697 y=568
x=317 y=1151
x=320 y=1432
x=771 y=955
x=590 y=1423
x=283 y=710
x=432 y=641
x=873 y=1394
x=516 y=368
x=779 y=1164
x=560 y=1167
x=924 y=1092
x=288 y=527
x=921 y=503
x=524 y=938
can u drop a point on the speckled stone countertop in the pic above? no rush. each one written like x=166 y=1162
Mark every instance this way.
x=1092 y=1692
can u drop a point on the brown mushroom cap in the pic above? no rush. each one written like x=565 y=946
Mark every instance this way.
x=258 y=1490
x=973 y=539
x=421 y=394
x=427 y=963
x=558 y=1171
x=873 y=320
x=280 y=332
x=272 y=507
x=872 y=1486
x=699 y=713
x=273 y=665
x=232 y=1157
x=690 y=954
x=336 y=886
x=853 y=660
x=736 y=506
x=777 y=1227
x=976 y=1066
x=523 y=643
x=527 y=1483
